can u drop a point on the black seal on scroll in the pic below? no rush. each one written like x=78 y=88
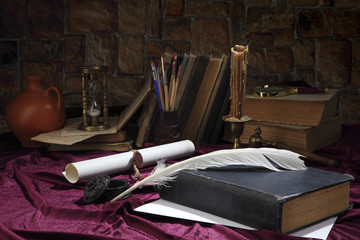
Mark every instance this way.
x=100 y=189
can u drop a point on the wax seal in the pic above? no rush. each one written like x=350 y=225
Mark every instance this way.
x=100 y=189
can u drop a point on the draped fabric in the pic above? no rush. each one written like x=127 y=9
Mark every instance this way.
x=37 y=202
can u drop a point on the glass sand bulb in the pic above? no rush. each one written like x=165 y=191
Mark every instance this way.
x=94 y=108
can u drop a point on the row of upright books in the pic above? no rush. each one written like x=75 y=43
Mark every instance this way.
x=303 y=121
x=203 y=98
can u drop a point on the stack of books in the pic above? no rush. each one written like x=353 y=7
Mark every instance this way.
x=304 y=121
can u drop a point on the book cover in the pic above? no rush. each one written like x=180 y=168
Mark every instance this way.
x=192 y=88
x=281 y=201
x=202 y=98
x=302 y=137
x=301 y=109
x=218 y=130
x=215 y=103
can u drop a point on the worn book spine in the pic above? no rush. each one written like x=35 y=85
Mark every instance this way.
x=257 y=209
x=301 y=109
x=215 y=103
x=202 y=98
x=192 y=89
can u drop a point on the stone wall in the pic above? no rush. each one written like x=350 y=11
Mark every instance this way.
x=317 y=41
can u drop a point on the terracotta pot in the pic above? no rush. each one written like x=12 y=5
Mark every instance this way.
x=35 y=111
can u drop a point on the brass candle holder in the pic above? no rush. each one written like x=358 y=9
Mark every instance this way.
x=94 y=95
x=237 y=128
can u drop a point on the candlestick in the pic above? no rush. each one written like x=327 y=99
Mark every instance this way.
x=238 y=80
x=238 y=67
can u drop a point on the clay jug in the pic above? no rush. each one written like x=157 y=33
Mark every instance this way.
x=35 y=111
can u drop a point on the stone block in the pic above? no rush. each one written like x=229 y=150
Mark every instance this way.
x=90 y=15
x=261 y=40
x=75 y=49
x=313 y=23
x=306 y=75
x=284 y=39
x=347 y=23
x=349 y=101
x=355 y=75
x=258 y=3
x=8 y=87
x=155 y=48
x=73 y=84
x=303 y=3
x=257 y=64
x=73 y=100
x=326 y=3
x=174 y=7
x=101 y=50
x=178 y=28
x=332 y=61
x=237 y=23
x=42 y=50
x=52 y=72
x=356 y=50
x=280 y=60
x=45 y=19
x=131 y=17
x=206 y=39
x=130 y=59
x=154 y=19
x=122 y=90
x=12 y=15
x=304 y=53
x=345 y=4
x=270 y=19
x=219 y=9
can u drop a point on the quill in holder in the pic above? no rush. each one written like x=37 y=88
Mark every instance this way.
x=270 y=158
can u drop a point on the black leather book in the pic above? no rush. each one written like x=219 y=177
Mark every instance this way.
x=281 y=201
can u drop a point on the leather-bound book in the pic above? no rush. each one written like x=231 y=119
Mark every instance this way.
x=280 y=201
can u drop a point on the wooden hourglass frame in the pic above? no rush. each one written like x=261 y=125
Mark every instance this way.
x=93 y=83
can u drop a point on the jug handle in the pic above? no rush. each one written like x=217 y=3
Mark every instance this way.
x=55 y=89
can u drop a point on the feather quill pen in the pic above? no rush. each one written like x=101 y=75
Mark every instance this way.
x=270 y=158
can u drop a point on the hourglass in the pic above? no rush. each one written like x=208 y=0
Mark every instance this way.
x=94 y=91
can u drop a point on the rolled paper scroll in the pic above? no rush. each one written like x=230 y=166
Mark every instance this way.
x=120 y=162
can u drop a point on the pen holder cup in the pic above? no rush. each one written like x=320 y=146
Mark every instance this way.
x=166 y=127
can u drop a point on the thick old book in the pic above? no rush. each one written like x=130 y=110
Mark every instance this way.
x=302 y=137
x=186 y=69
x=145 y=120
x=218 y=130
x=203 y=95
x=302 y=109
x=119 y=136
x=192 y=88
x=216 y=101
x=117 y=147
x=280 y=201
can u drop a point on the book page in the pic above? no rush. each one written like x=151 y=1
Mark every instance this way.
x=71 y=134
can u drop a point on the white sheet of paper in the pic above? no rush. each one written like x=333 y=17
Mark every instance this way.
x=169 y=209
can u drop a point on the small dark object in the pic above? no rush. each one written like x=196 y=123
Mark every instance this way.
x=100 y=189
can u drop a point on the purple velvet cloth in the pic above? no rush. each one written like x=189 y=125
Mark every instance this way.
x=37 y=202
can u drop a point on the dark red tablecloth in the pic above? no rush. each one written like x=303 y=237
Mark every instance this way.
x=37 y=202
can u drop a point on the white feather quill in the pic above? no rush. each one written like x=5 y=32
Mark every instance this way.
x=270 y=158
